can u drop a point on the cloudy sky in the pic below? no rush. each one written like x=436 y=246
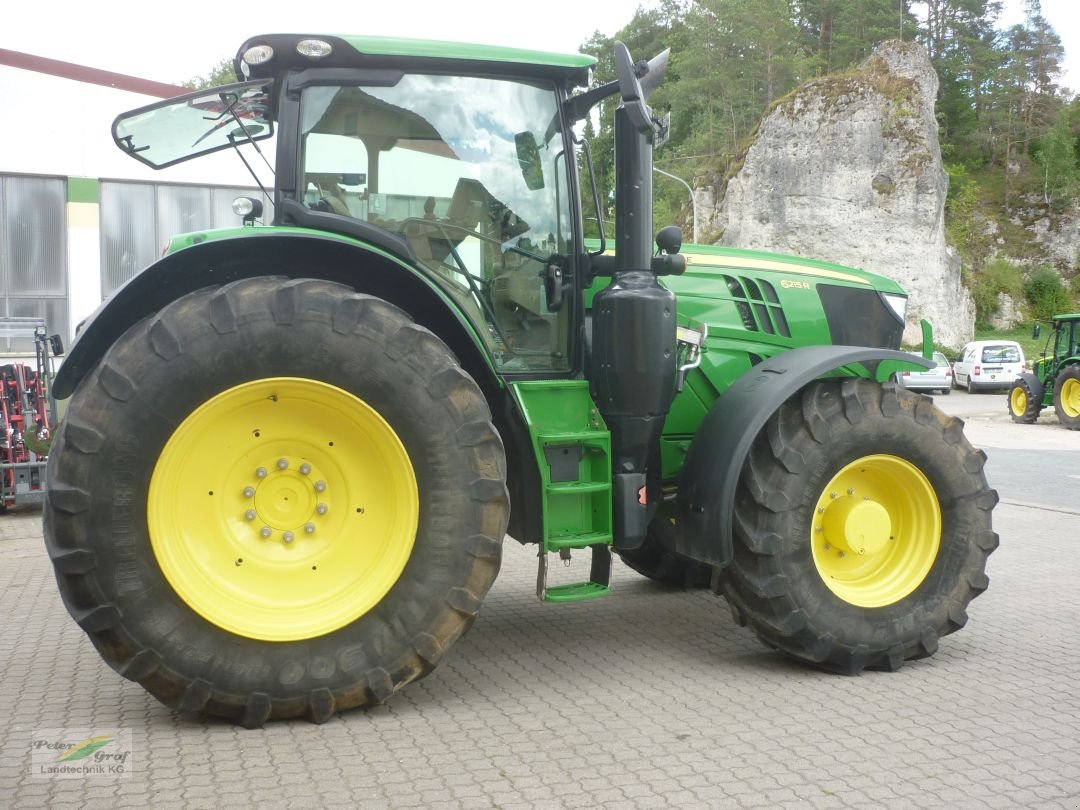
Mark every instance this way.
x=142 y=39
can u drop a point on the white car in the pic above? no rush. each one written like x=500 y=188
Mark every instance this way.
x=988 y=364
x=938 y=378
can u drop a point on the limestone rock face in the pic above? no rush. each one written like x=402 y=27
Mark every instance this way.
x=1008 y=314
x=848 y=169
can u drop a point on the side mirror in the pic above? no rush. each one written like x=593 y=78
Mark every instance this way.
x=528 y=155
x=669 y=240
x=56 y=345
x=1036 y=330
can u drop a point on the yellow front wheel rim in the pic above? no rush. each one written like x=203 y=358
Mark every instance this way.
x=1019 y=401
x=283 y=509
x=876 y=531
x=1070 y=398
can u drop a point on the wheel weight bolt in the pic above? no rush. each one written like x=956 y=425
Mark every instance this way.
x=305 y=469
x=321 y=508
x=265 y=531
x=260 y=472
x=250 y=514
x=309 y=528
x=320 y=486
x=283 y=464
x=287 y=537
x=249 y=492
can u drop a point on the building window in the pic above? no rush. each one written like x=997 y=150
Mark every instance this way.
x=137 y=219
x=33 y=255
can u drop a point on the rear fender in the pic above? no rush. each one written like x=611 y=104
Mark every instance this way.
x=298 y=254
x=271 y=252
x=1035 y=386
x=706 y=495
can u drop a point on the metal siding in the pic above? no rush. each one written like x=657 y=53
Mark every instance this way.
x=128 y=238
x=34 y=242
x=182 y=209
x=33 y=254
x=138 y=218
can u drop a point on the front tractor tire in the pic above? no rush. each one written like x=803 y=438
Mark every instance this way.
x=862 y=528
x=1067 y=396
x=1024 y=406
x=276 y=499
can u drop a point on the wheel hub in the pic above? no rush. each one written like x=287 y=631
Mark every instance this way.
x=283 y=509
x=1019 y=401
x=876 y=530
x=1070 y=398
x=857 y=526
x=289 y=498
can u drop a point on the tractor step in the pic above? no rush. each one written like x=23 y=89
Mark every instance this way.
x=573 y=452
x=598 y=584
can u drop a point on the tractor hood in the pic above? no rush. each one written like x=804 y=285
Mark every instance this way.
x=788 y=301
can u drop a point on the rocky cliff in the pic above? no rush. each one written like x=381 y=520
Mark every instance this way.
x=847 y=169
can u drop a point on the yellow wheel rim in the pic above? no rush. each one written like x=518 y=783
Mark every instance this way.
x=876 y=531
x=1070 y=398
x=283 y=509
x=1019 y=401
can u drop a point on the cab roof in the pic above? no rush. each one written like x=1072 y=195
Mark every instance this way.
x=364 y=51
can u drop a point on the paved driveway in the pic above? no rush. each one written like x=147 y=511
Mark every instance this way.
x=648 y=698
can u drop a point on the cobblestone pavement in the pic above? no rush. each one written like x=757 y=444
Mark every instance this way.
x=647 y=698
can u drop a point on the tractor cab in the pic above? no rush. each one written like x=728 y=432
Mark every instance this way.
x=468 y=177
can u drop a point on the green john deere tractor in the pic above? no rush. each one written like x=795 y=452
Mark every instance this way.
x=1055 y=379
x=292 y=450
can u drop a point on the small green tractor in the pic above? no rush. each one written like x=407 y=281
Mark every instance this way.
x=1055 y=378
x=292 y=450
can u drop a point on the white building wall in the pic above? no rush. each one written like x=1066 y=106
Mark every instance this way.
x=61 y=127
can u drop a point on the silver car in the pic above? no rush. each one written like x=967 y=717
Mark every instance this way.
x=939 y=378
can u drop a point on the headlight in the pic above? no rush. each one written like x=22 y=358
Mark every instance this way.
x=257 y=54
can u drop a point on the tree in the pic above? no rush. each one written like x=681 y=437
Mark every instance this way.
x=1056 y=155
x=221 y=73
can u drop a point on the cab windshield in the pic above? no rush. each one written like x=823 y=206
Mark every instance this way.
x=472 y=172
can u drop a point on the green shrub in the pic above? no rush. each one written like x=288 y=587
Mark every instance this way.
x=1046 y=294
x=997 y=276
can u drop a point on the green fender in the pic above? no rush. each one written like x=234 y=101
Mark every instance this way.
x=706 y=495
x=217 y=258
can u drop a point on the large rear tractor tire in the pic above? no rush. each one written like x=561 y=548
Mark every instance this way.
x=1067 y=396
x=655 y=559
x=862 y=528
x=276 y=499
x=1024 y=406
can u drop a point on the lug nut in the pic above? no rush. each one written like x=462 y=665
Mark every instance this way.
x=287 y=537
x=320 y=486
x=851 y=491
x=283 y=464
x=309 y=528
x=305 y=469
x=321 y=508
x=249 y=492
x=250 y=514
x=261 y=472
x=265 y=531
